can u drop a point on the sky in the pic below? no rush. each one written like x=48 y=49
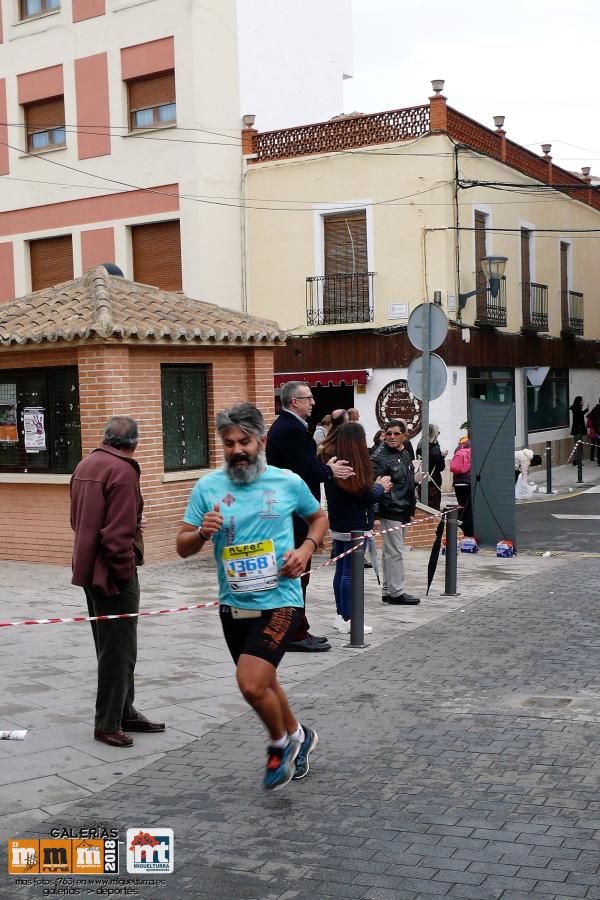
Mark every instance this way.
x=533 y=61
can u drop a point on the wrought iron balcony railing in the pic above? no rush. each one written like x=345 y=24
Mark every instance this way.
x=572 y=312
x=491 y=311
x=535 y=306
x=339 y=299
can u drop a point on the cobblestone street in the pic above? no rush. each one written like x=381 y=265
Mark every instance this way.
x=458 y=759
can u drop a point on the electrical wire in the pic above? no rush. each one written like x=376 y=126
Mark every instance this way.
x=211 y=202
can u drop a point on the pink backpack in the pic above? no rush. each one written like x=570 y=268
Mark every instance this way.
x=461 y=461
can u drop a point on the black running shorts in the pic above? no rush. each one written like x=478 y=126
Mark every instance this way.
x=267 y=636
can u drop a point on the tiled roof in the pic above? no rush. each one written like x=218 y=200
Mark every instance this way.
x=99 y=305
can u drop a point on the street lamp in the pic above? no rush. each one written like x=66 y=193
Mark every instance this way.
x=493 y=268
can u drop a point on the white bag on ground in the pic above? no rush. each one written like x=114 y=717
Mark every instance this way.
x=523 y=490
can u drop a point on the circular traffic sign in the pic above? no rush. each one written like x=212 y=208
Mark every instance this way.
x=438 y=326
x=438 y=376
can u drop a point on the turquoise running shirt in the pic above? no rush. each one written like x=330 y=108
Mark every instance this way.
x=257 y=531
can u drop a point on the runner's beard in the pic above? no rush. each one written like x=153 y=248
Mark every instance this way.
x=248 y=473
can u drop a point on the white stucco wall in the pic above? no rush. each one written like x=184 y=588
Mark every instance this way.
x=449 y=411
x=293 y=59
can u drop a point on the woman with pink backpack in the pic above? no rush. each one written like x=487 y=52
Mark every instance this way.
x=460 y=466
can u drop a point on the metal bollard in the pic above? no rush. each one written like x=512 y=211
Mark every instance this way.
x=451 y=554
x=579 y=458
x=357 y=571
x=548 y=467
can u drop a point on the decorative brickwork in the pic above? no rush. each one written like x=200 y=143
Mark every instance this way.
x=342 y=134
x=347 y=132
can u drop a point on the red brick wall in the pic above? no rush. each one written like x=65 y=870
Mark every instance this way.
x=120 y=379
x=34 y=524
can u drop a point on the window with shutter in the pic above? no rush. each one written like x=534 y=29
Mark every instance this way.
x=157 y=254
x=51 y=261
x=525 y=275
x=184 y=417
x=346 y=295
x=346 y=244
x=30 y=8
x=480 y=251
x=152 y=101
x=45 y=124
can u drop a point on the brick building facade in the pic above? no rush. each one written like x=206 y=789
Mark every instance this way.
x=122 y=347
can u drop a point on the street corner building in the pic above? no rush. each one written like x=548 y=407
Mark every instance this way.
x=73 y=355
x=404 y=206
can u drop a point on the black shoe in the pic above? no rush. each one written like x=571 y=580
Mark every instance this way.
x=141 y=723
x=368 y=565
x=308 y=646
x=317 y=640
x=403 y=600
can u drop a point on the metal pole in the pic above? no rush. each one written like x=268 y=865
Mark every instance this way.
x=548 y=467
x=525 y=415
x=579 y=458
x=425 y=413
x=451 y=553
x=357 y=571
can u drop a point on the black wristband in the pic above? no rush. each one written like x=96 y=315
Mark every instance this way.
x=307 y=538
x=205 y=539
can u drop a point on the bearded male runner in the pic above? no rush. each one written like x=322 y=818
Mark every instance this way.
x=245 y=510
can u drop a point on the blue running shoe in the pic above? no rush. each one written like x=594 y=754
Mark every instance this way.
x=280 y=765
x=311 y=739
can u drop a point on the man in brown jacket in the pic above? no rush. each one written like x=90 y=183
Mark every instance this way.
x=106 y=516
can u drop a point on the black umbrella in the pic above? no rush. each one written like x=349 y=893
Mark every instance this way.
x=435 y=554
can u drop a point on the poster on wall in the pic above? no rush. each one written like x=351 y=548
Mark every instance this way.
x=8 y=414
x=34 y=428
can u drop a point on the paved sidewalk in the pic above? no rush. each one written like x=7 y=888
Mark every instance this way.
x=458 y=760
x=564 y=479
x=184 y=673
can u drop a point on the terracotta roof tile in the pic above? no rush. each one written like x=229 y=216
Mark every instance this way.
x=99 y=305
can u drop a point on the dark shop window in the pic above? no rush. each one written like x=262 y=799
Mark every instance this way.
x=548 y=407
x=184 y=417
x=40 y=429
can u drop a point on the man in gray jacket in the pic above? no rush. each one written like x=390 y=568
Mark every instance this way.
x=395 y=508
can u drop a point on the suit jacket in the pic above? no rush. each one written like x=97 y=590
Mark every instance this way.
x=290 y=446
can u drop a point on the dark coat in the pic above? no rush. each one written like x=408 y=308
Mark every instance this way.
x=578 y=428
x=349 y=512
x=106 y=510
x=437 y=461
x=399 y=503
x=290 y=446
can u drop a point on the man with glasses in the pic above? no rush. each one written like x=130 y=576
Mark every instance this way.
x=395 y=508
x=290 y=446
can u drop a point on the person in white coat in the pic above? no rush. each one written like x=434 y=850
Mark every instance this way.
x=524 y=459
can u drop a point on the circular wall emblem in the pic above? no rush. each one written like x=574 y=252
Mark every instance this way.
x=396 y=401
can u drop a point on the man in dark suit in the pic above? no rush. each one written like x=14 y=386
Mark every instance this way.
x=290 y=446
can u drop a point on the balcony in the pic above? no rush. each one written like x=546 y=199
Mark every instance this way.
x=491 y=311
x=571 y=304
x=339 y=299
x=535 y=306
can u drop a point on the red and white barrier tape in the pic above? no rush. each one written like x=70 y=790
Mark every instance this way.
x=179 y=609
x=144 y=612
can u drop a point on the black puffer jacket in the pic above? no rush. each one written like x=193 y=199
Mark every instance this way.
x=400 y=503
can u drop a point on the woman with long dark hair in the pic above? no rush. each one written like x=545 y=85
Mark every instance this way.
x=350 y=508
x=578 y=428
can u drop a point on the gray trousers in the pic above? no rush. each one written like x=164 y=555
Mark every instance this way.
x=116 y=651
x=392 y=559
